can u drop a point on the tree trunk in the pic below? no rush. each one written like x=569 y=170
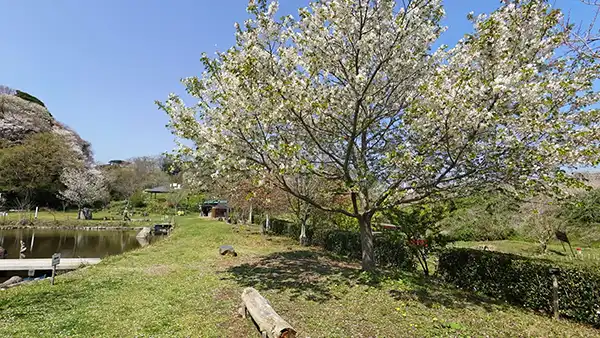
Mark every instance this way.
x=366 y=239
x=79 y=213
x=250 y=215
x=303 y=238
x=268 y=223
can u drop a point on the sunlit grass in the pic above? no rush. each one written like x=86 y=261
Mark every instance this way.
x=182 y=287
x=70 y=218
x=554 y=252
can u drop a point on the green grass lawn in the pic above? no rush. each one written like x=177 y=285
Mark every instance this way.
x=70 y=218
x=555 y=251
x=182 y=287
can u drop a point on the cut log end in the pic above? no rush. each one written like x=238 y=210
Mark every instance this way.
x=288 y=334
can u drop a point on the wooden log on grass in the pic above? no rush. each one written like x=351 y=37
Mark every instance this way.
x=269 y=323
x=11 y=281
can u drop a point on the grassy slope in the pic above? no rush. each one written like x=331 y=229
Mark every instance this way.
x=181 y=287
x=555 y=251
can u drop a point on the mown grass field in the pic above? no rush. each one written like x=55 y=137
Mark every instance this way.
x=182 y=287
x=555 y=251
x=69 y=218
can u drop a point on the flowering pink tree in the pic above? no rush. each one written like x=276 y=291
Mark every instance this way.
x=352 y=92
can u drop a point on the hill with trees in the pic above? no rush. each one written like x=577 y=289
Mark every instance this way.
x=35 y=149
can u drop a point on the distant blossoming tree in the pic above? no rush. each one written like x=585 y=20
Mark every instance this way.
x=83 y=187
x=353 y=92
x=4 y=90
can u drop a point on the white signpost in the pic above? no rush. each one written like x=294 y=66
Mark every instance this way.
x=55 y=262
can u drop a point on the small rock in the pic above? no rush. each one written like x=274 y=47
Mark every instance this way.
x=227 y=250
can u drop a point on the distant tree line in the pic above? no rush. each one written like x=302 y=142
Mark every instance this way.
x=34 y=171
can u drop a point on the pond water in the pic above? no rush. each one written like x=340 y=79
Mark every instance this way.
x=69 y=243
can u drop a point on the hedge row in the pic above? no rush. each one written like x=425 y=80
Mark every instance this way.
x=390 y=246
x=524 y=281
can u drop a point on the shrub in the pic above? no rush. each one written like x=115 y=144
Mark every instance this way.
x=282 y=227
x=259 y=218
x=482 y=233
x=138 y=199
x=421 y=226
x=390 y=247
x=117 y=207
x=524 y=281
x=29 y=97
x=583 y=209
x=158 y=206
x=192 y=203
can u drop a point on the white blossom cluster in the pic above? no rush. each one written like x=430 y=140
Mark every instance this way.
x=354 y=92
x=84 y=186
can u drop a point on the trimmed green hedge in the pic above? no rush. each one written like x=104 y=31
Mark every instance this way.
x=390 y=246
x=524 y=281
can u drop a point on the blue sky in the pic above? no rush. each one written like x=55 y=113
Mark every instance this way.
x=99 y=65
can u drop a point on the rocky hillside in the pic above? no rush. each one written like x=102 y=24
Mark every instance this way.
x=22 y=115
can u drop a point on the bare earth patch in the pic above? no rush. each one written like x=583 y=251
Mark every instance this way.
x=158 y=270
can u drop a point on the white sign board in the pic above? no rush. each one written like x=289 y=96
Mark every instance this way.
x=55 y=259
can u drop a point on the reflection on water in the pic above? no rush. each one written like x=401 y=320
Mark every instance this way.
x=69 y=243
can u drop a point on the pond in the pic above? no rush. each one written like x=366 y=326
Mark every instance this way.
x=42 y=243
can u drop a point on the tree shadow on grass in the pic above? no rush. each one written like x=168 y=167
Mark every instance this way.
x=306 y=274
x=562 y=254
x=311 y=275
x=435 y=294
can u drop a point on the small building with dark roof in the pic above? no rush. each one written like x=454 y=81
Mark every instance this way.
x=158 y=190
x=215 y=208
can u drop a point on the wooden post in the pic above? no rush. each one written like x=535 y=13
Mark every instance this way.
x=53 y=274
x=554 y=272
x=269 y=323
x=36 y=212
x=55 y=262
x=32 y=239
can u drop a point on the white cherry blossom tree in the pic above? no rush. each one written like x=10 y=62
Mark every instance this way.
x=83 y=187
x=352 y=92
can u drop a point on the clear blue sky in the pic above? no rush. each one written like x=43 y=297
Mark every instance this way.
x=99 y=65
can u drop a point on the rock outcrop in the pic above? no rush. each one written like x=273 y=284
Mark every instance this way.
x=20 y=118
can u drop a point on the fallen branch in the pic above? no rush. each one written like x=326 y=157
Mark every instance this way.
x=269 y=323
x=12 y=280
